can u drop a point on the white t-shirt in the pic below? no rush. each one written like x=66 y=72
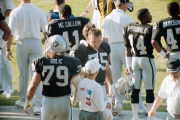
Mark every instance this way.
x=6 y=4
x=170 y=90
x=26 y=20
x=90 y=96
x=114 y=24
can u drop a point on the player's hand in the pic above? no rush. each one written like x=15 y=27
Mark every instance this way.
x=73 y=99
x=83 y=14
x=43 y=40
x=128 y=71
x=111 y=90
x=9 y=55
x=108 y=106
x=167 y=55
x=151 y=113
x=27 y=106
x=0 y=48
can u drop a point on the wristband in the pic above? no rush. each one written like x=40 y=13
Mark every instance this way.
x=128 y=61
x=27 y=101
x=2 y=43
x=86 y=11
x=162 y=54
x=8 y=50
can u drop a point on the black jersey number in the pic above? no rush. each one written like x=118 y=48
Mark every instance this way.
x=170 y=38
x=66 y=37
x=139 y=45
x=58 y=75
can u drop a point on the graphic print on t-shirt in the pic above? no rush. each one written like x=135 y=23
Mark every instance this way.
x=88 y=98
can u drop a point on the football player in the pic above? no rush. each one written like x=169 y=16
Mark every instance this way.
x=6 y=7
x=101 y=9
x=95 y=48
x=137 y=36
x=169 y=28
x=54 y=14
x=69 y=28
x=56 y=72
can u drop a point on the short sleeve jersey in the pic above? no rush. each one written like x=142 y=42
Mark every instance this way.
x=169 y=28
x=138 y=37
x=56 y=74
x=84 y=54
x=70 y=29
x=1 y=16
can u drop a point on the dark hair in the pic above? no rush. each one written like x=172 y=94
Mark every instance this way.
x=65 y=10
x=86 y=29
x=173 y=8
x=141 y=13
x=59 y=2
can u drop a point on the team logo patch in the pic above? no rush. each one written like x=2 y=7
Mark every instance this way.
x=55 y=44
x=89 y=92
x=88 y=101
x=171 y=66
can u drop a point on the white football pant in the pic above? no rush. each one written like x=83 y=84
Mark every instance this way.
x=28 y=49
x=117 y=57
x=56 y=108
x=5 y=69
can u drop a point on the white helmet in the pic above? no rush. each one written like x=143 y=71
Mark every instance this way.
x=57 y=44
x=117 y=108
x=123 y=87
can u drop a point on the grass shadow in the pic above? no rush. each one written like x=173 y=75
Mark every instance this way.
x=11 y=101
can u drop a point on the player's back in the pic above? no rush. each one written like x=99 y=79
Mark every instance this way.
x=169 y=28
x=70 y=29
x=138 y=36
x=56 y=74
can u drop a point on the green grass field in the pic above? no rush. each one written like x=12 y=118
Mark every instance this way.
x=158 y=11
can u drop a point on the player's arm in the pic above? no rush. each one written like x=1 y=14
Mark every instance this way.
x=75 y=80
x=12 y=26
x=109 y=80
x=128 y=59
x=43 y=22
x=9 y=7
x=160 y=50
x=7 y=12
x=127 y=45
x=36 y=79
x=158 y=101
x=156 y=37
x=5 y=28
x=88 y=9
x=7 y=32
x=104 y=31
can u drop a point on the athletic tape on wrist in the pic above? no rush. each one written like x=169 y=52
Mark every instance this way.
x=128 y=61
x=2 y=43
x=162 y=54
